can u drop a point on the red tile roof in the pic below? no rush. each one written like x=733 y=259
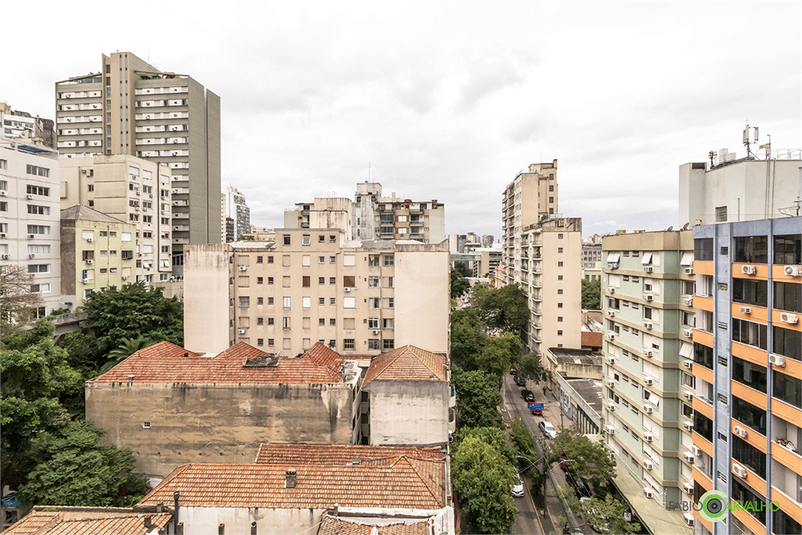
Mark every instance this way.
x=408 y=363
x=45 y=520
x=331 y=525
x=168 y=363
x=399 y=482
x=289 y=454
x=591 y=339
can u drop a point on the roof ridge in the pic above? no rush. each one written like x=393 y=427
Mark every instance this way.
x=423 y=479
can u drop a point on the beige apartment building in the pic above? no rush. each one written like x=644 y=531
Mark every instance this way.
x=132 y=190
x=132 y=108
x=97 y=252
x=311 y=285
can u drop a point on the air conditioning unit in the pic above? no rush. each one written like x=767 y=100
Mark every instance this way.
x=748 y=270
x=648 y=437
x=611 y=383
x=31 y=255
x=138 y=192
x=243 y=268
x=745 y=310
x=688 y=487
x=90 y=240
x=688 y=364
x=648 y=325
x=31 y=236
x=612 y=290
x=375 y=331
x=648 y=352
x=611 y=359
x=739 y=470
x=611 y=313
x=697 y=450
x=648 y=409
x=6 y=257
x=3 y=193
x=688 y=456
x=347 y=289
x=689 y=271
x=688 y=425
x=647 y=491
x=793 y=271
x=648 y=269
x=648 y=380
x=610 y=430
x=688 y=395
x=777 y=360
x=125 y=277
x=688 y=333
x=241 y=331
x=689 y=301
x=648 y=297
x=2 y=234
x=86 y=281
x=740 y=431
x=791 y=319
x=648 y=465
x=611 y=406
x=687 y=517
x=29 y=196
x=90 y=261
x=611 y=335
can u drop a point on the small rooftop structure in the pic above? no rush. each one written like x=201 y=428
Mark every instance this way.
x=590 y=390
x=564 y=355
x=407 y=363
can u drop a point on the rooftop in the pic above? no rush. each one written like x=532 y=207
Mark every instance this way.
x=338 y=454
x=407 y=363
x=564 y=355
x=49 y=520
x=241 y=363
x=336 y=525
x=589 y=390
x=84 y=213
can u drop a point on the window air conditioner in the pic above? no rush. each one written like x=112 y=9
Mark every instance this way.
x=29 y=196
x=689 y=301
x=648 y=437
x=791 y=319
x=375 y=331
x=740 y=431
x=688 y=395
x=648 y=492
x=6 y=257
x=86 y=281
x=648 y=325
x=739 y=470
x=687 y=517
x=611 y=406
x=611 y=360
x=648 y=297
x=611 y=335
x=793 y=271
x=688 y=456
x=688 y=364
x=648 y=465
x=688 y=425
x=611 y=313
x=648 y=380
x=243 y=268
x=347 y=289
x=689 y=271
x=31 y=255
x=648 y=352
x=610 y=430
x=688 y=333
x=697 y=450
x=688 y=487
x=31 y=236
x=777 y=360
x=612 y=290
x=90 y=261
x=648 y=269
x=648 y=409
x=745 y=310
x=748 y=270
x=241 y=331
x=90 y=240
x=611 y=383
x=3 y=193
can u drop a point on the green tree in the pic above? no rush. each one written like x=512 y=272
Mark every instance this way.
x=75 y=467
x=591 y=294
x=499 y=353
x=38 y=389
x=468 y=337
x=607 y=516
x=530 y=367
x=459 y=284
x=463 y=269
x=127 y=347
x=492 y=435
x=482 y=479
x=591 y=460
x=478 y=395
x=504 y=309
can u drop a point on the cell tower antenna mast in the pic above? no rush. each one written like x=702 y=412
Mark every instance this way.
x=748 y=141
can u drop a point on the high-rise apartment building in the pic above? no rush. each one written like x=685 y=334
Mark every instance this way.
x=135 y=191
x=647 y=303
x=29 y=217
x=373 y=217
x=132 y=108
x=23 y=126
x=236 y=210
x=747 y=400
x=311 y=285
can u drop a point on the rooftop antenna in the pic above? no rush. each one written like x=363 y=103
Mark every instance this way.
x=747 y=141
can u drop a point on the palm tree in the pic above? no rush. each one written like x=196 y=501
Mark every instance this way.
x=127 y=347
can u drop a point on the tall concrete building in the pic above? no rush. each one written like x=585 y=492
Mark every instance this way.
x=311 y=285
x=132 y=108
x=132 y=190
x=23 y=126
x=237 y=210
x=647 y=303
x=747 y=400
x=29 y=217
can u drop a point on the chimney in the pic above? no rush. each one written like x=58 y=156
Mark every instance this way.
x=176 y=495
x=148 y=523
x=291 y=479
x=160 y=507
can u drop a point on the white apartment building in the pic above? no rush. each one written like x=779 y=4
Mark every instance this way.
x=648 y=287
x=132 y=108
x=30 y=217
x=135 y=191
x=234 y=207
x=311 y=285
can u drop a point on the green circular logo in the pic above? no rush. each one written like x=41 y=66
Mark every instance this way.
x=713 y=505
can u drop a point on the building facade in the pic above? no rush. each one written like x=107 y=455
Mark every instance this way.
x=22 y=126
x=132 y=108
x=647 y=303
x=747 y=364
x=29 y=218
x=135 y=191
x=237 y=210
x=309 y=286
x=97 y=252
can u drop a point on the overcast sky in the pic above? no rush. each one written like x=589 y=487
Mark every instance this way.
x=447 y=100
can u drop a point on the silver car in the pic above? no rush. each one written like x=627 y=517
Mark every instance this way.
x=547 y=429
x=517 y=488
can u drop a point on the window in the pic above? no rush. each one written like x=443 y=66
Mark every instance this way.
x=349 y=260
x=321 y=322
x=348 y=302
x=333 y=322
x=307 y=281
x=285 y=281
x=559 y=277
x=388 y=323
x=321 y=259
x=260 y=321
x=332 y=260
x=38 y=229
x=38 y=171
x=270 y=280
x=286 y=323
x=38 y=210
x=270 y=321
x=260 y=259
x=373 y=302
x=787 y=388
x=260 y=300
x=320 y=239
x=306 y=302
x=332 y=280
x=389 y=282
x=559 y=333
x=388 y=343
x=559 y=319
x=287 y=239
x=260 y=341
x=787 y=342
x=260 y=280
x=750 y=292
x=721 y=214
x=373 y=323
x=332 y=300
x=390 y=302
x=38 y=268
x=559 y=264
x=349 y=344
x=559 y=291
x=374 y=343
x=40 y=288
x=559 y=305
x=287 y=302
x=269 y=259
x=349 y=281
x=788 y=249
x=321 y=280
x=373 y=281
x=749 y=333
x=389 y=260
x=788 y=296
x=285 y=260
x=306 y=240
x=244 y=302
x=752 y=249
x=703 y=249
x=559 y=249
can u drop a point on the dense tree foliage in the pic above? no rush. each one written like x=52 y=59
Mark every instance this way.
x=18 y=302
x=607 y=516
x=494 y=436
x=591 y=294
x=529 y=367
x=590 y=459
x=482 y=479
x=478 y=395
x=463 y=269
x=503 y=309
x=459 y=284
x=468 y=337
x=499 y=353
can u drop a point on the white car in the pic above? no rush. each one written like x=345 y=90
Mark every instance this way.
x=517 y=488
x=547 y=429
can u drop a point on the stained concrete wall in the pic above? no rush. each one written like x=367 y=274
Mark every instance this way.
x=223 y=423
x=206 y=299
x=408 y=412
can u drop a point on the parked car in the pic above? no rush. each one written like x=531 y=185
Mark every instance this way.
x=547 y=429
x=513 y=371
x=517 y=488
x=528 y=395
x=520 y=381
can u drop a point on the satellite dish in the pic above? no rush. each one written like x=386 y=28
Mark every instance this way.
x=669 y=229
x=686 y=225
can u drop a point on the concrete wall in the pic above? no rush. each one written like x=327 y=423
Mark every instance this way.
x=408 y=412
x=206 y=520
x=206 y=298
x=223 y=423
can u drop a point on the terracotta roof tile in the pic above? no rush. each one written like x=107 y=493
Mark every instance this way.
x=344 y=526
x=288 y=454
x=400 y=482
x=168 y=363
x=408 y=363
x=86 y=521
